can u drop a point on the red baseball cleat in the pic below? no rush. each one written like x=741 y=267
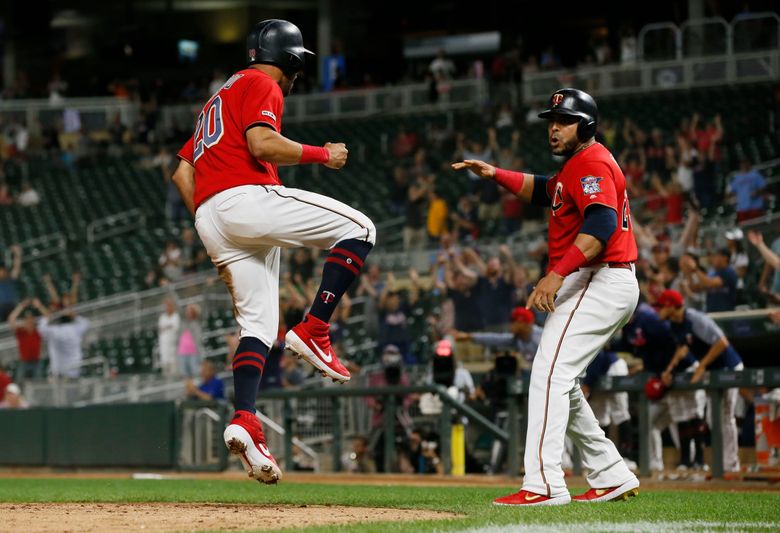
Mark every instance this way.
x=310 y=340
x=622 y=492
x=244 y=438
x=526 y=498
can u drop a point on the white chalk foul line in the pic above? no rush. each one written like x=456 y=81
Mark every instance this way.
x=677 y=526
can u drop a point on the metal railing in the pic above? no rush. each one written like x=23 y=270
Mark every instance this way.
x=283 y=421
x=741 y=57
x=716 y=383
x=95 y=113
x=200 y=426
x=40 y=247
x=334 y=396
x=116 y=224
x=357 y=103
x=132 y=310
x=709 y=36
x=642 y=77
x=201 y=447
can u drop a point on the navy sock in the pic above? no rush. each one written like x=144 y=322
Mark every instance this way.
x=342 y=266
x=248 y=366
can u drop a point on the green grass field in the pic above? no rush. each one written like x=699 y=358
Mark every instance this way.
x=653 y=510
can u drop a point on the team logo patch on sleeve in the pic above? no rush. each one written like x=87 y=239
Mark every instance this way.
x=273 y=117
x=590 y=184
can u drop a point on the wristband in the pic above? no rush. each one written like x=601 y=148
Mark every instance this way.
x=314 y=154
x=512 y=181
x=571 y=261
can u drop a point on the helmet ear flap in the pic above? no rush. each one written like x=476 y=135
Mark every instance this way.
x=586 y=129
x=294 y=65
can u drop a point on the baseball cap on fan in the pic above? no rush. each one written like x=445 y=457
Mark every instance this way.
x=521 y=314
x=669 y=298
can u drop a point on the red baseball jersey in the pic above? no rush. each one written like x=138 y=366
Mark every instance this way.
x=218 y=149
x=589 y=177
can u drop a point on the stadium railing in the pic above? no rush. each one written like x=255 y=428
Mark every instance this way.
x=714 y=382
x=644 y=77
x=698 y=52
x=131 y=311
x=93 y=113
x=357 y=103
x=333 y=398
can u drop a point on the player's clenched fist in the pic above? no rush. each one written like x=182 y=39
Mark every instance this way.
x=338 y=155
x=480 y=168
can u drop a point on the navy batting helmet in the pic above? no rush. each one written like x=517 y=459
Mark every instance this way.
x=575 y=103
x=277 y=42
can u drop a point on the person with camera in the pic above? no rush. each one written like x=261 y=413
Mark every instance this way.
x=423 y=453
x=447 y=371
x=493 y=390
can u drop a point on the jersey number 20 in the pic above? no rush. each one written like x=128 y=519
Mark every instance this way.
x=209 y=129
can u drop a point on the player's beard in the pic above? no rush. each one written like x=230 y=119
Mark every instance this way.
x=566 y=149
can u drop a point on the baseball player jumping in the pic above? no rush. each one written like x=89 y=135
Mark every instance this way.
x=590 y=290
x=228 y=178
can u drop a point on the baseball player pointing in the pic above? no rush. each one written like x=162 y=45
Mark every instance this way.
x=590 y=291
x=228 y=178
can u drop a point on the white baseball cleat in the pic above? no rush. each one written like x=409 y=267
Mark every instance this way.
x=244 y=438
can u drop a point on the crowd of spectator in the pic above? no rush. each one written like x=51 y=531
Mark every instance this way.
x=473 y=298
x=55 y=325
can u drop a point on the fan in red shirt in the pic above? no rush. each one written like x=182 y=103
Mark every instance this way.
x=28 y=340
x=590 y=290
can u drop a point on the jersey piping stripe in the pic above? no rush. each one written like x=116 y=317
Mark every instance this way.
x=549 y=380
x=317 y=205
x=185 y=159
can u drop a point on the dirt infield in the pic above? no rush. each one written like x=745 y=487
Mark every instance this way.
x=165 y=517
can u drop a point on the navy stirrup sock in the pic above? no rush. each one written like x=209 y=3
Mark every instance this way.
x=248 y=366
x=342 y=266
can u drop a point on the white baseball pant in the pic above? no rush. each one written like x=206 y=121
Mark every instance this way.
x=611 y=407
x=729 y=426
x=675 y=407
x=592 y=304
x=243 y=229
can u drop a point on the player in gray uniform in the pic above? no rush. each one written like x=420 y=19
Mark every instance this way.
x=524 y=337
x=699 y=335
